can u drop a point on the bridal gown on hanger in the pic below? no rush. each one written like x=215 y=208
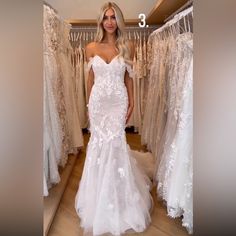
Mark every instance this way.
x=114 y=191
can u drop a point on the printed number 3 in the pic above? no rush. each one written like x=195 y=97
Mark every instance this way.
x=143 y=22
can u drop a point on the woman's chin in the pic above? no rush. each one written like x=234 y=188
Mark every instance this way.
x=110 y=31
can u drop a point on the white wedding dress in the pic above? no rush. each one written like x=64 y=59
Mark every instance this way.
x=114 y=191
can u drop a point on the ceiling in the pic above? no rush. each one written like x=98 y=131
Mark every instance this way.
x=86 y=11
x=89 y=9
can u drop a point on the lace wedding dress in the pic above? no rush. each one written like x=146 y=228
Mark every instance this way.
x=113 y=195
x=175 y=173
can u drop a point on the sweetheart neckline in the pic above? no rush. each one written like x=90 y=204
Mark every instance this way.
x=91 y=58
x=128 y=67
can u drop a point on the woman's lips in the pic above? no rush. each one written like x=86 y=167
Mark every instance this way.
x=110 y=28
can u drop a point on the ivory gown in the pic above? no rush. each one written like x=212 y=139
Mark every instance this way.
x=113 y=195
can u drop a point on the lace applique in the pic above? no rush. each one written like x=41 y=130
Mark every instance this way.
x=130 y=70
x=127 y=66
x=121 y=172
x=113 y=187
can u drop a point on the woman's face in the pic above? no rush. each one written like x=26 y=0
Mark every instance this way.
x=109 y=21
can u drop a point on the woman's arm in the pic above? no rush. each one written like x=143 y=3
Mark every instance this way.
x=90 y=79
x=129 y=85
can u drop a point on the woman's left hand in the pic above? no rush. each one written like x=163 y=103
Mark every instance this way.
x=129 y=112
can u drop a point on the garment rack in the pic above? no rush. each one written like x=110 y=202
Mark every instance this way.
x=186 y=5
x=47 y=4
x=152 y=27
x=174 y=20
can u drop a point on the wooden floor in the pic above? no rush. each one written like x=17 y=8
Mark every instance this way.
x=67 y=223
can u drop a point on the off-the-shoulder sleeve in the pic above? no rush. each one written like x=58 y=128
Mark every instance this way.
x=130 y=70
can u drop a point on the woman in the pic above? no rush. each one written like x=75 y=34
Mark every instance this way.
x=113 y=195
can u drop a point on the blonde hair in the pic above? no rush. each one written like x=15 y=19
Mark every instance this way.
x=121 y=41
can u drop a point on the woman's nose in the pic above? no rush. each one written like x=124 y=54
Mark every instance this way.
x=109 y=20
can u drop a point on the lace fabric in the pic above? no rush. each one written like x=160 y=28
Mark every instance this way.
x=113 y=194
x=62 y=133
x=174 y=174
x=52 y=127
x=167 y=124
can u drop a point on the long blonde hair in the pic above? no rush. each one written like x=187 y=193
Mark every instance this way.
x=121 y=41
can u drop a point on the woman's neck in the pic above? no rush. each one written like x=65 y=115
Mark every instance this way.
x=109 y=39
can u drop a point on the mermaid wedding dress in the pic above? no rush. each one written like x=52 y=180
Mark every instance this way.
x=114 y=191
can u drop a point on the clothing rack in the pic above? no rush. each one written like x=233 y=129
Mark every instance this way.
x=87 y=32
x=56 y=14
x=128 y=27
x=186 y=5
x=50 y=6
x=175 y=20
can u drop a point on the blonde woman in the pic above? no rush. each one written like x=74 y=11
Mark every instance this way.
x=113 y=195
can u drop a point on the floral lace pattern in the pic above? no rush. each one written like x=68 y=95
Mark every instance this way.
x=174 y=174
x=167 y=124
x=62 y=133
x=113 y=195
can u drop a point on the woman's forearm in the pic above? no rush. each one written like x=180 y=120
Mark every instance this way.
x=90 y=83
x=129 y=86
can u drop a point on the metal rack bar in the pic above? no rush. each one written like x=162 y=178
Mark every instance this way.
x=153 y=27
x=187 y=4
x=50 y=6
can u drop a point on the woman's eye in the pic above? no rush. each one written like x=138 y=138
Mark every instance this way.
x=112 y=17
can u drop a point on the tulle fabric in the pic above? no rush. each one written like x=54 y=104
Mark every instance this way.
x=113 y=195
x=175 y=171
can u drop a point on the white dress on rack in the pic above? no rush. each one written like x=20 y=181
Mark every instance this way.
x=175 y=172
x=113 y=195
x=80 y=87
x=52 y=129
x=72 y=114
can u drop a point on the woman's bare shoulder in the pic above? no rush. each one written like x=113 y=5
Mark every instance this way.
x=91 y=45
x=90 y=49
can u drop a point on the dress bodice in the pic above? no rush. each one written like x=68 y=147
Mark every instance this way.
x=108 y=100
x=112 y=72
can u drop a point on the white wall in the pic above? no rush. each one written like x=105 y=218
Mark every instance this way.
x=89 y=9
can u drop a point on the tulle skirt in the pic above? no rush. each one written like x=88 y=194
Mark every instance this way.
x=114 y=191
